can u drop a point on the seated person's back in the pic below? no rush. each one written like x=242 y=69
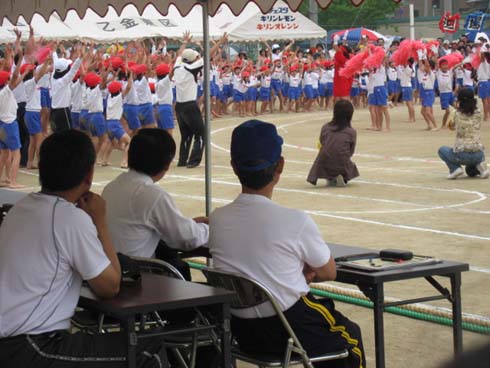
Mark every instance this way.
x=49 y=242
x=139 y=212
x=281 y=248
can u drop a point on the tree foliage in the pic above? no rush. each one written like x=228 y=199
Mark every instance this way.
x=342 y=14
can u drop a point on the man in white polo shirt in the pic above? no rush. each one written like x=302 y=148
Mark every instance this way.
x=140 y=213
x=49 y=242
x=282 y=249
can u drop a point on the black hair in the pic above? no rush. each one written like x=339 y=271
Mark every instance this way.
x=151 y=151
x=256 y=179
x=467 y=101
x=28 y=76
x=342 y=115
x=65 y=159
x=121 y=75
x=115 y=94
x=432 y=64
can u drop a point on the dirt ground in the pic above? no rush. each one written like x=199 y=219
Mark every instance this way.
x=402 y=199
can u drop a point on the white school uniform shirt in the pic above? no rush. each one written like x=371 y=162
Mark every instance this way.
x=95 y=103
x=363 y=81
x=467 y=78
x=85 y=92
x=60 y=88
x=277 y=56
x=265 y=81
x=114 y=109
x=483 y=71
x=257 y=238
x=277 y=72
x=48 y=247
x=33 y=94
x=458 y=72
x=314 y=79
x=370 y=83
x=379 y=77
x=323 y=76
x=392 y=74
x=285 y=77
x=294 y=80
x=142 y=90
x=355 y=82
x=131 y=97
x=307 y=79
x=140 y=213
x=252 y=81
x=45 y=80
x=236 y=80
x=445 y=81
x=76 y=96
x=20 y=93
x=8 y=105
x=242 y=87
x=226 y=78
x=427 y=79
x=163 y=89
x=329 y=75
x=406 y=76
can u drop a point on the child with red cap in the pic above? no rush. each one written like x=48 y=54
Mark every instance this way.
x=165 y=115
x=33 y=109
x=114 y=114
x=142 y=87
x=96 y=121
x=9 y=128
x=265 y=88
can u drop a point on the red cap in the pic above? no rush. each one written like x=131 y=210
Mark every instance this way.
x=114 y=87
x=27 y=67
x=264 y=68
x=327 y=63
x=92 y=79
x=152 y=86
x=138 y=69
x=4 y=77
x=245 y=74
x=314 y=65
x=306 y=67
x=162 y=70
x=294 y=67
x=267 y=62
x=116 y=62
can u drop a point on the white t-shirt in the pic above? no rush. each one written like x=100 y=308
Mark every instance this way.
x=60 y=88
x=483 y=71
x=445 y=81
x=392 y=73
x=163 y=89
x=379 y=77
x=140 y=213
x=143 y=90
x=467 y=78
x=48 y=247
x=294 y=80
x=95 y=100
x=426 y=79
x=256 y=237
x=33 y=93
x=8 y=105
x=76 y=96
x=405 y=76
x=114 y=107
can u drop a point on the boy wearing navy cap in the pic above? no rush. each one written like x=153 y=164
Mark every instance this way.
x=282 y=249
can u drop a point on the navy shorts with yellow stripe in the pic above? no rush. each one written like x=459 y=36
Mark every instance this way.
x=318 y=325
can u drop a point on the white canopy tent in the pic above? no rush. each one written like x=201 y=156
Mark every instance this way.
x=53 y=29
x=130 y=25
x=280 y=23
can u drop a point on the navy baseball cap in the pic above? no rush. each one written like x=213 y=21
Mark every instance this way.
x=255 y=145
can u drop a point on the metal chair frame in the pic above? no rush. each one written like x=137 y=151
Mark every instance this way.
x=250 y=293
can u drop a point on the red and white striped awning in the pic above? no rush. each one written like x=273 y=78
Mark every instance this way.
x=12 y=9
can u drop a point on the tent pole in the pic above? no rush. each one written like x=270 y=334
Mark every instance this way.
x=207 y=106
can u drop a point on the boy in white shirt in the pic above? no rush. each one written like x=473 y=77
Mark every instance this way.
x=114 y=114
x=9 y=128
x=445 y=77
x=165 y=116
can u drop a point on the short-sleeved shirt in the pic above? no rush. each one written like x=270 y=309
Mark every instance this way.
x=140 y=213
x=47 y=247
x=260 y=239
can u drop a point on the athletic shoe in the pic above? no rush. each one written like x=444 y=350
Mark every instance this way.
x=459 y=171
x=483 y=169
x=340 y=181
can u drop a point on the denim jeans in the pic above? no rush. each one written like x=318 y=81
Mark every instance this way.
x=454 y=160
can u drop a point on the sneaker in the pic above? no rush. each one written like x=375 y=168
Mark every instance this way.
x=482 y=168
x=459 y=171
x=340 y=181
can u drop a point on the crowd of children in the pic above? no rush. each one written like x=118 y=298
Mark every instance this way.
x=111 y=92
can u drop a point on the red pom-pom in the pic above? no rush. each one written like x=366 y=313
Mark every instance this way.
x=354 y=64
x=417 y=45
x=42 y=53
x=403 y=53
x=452 y=59
x=375 y=60
x=476 y=59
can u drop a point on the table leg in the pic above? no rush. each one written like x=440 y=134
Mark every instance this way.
x=132 y=342
x=226 y=337
x=457 y=313
x=379 y=338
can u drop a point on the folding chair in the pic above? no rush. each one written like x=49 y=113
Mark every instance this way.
x=250 y=293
